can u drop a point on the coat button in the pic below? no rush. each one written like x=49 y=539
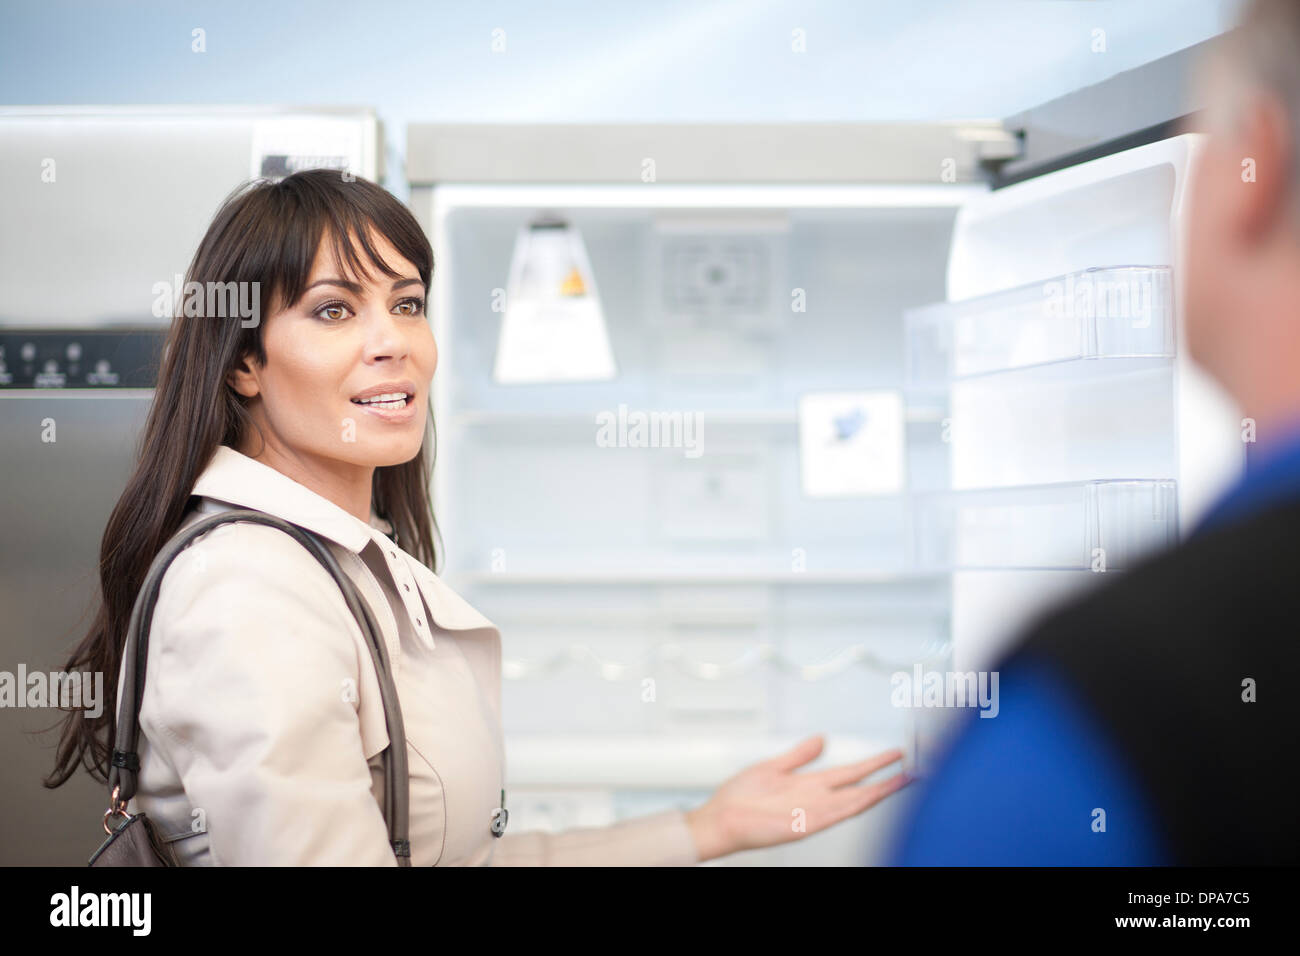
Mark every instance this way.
x=407 y=586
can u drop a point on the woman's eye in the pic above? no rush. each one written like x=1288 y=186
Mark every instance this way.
x=336 y=311
x=330 y=307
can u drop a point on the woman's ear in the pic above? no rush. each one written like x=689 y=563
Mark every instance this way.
x=243 y=379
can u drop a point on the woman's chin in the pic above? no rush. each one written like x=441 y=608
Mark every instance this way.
x=397 y=457
x=382 y=454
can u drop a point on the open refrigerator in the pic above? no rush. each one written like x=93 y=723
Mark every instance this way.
x=669 y=619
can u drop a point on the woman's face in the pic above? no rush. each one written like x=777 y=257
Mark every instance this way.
x=347 y=338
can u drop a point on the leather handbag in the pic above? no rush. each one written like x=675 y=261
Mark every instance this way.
x=136 y=841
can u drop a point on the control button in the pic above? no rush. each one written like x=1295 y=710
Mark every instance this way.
x=74 y=351
x=101 y=367
x=51 y=366
x=28 y=351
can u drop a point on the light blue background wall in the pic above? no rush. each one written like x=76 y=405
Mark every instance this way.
x=579 y=60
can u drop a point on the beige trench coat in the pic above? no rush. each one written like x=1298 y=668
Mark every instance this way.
x=262 y=724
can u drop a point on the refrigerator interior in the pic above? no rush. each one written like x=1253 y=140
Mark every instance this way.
x=667 y=619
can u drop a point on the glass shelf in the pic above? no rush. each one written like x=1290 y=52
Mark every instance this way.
x=1121 y=312
x=917 y=412
x=583 y=577
x=1091 y=525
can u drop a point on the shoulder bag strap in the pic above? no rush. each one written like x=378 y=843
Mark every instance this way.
x=126 y=762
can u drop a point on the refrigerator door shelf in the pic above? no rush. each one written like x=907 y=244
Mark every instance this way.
x=1099 y=526
x=1099 y=313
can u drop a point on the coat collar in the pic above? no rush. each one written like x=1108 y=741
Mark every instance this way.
x=233 y=477
x=237 y=479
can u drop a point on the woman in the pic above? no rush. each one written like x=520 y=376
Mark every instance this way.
x=261 y=722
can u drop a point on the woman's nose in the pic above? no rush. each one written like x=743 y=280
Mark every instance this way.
x=386 y=337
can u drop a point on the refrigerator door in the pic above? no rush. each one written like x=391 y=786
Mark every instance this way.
x=1081 y=437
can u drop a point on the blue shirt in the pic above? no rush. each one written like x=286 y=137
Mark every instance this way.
x=1024 y=788
x=1272 y=475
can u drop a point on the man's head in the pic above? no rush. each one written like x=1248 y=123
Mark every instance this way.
x=1243 y=246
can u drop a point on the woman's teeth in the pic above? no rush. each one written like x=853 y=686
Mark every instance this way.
x=393 y=400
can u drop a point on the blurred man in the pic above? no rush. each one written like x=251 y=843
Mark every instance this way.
x=1154 y=720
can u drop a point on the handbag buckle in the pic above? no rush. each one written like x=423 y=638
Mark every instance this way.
x=115 y=806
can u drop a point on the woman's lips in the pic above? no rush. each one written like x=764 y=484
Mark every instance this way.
x=395 y=415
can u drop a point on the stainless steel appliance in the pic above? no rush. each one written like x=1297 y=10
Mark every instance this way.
x=101 y=204
x=72 y=406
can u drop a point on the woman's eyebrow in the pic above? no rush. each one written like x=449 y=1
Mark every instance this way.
x=355 y=287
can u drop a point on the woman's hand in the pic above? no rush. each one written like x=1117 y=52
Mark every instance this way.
x=769 y=803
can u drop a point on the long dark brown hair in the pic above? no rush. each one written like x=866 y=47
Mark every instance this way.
x=269 y=233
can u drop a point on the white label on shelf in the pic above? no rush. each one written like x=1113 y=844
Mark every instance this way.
x=720 y=496
x=851 y=443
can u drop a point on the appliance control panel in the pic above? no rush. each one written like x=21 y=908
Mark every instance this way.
x=80 y=358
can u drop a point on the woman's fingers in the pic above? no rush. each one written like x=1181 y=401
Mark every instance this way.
x=853 y=800
x=829 y=808
x=802 y=753
x=853 y=772
x=876 y=792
